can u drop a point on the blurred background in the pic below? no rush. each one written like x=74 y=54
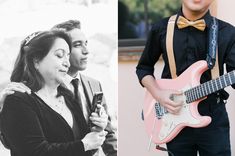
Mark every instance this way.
x=140 y=15
x=135 y=17
x=98 y=22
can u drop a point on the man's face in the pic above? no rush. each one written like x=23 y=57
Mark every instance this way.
x=79 y=52
x=196 y=5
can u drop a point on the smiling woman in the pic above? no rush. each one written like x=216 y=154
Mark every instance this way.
x=48 y=121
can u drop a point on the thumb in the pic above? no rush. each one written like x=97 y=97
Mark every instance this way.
x=177 y=92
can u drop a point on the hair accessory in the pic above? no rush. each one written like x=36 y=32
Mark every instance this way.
x=31 y=36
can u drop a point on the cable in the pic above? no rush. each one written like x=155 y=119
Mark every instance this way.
x=164 y=149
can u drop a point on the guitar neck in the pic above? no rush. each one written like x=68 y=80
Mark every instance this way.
x=209 y=87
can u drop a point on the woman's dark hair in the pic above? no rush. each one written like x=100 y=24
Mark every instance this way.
x=34 y=48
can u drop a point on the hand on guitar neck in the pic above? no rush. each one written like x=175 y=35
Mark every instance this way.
x=164 y=97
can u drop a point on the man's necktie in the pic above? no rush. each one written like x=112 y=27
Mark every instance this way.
x=183 y=22
x=77 y=96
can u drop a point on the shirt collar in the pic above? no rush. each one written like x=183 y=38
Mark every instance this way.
x=68 y=79
x=207 y=17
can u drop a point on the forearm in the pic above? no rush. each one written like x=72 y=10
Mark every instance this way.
x=150 y=84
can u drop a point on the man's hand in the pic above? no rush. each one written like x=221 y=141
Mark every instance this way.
x=164 y=98
x=99 y=118
x=10 y=89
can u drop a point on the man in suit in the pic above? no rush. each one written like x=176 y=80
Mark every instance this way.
x=86 y=87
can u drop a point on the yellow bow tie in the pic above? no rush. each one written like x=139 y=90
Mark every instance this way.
x=183 y=22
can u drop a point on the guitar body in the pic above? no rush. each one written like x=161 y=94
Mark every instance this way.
x=164 y=129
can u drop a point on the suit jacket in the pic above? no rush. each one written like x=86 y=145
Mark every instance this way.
x=31 y=128
x=91 y=86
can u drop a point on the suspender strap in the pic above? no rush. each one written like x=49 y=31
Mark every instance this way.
x=215 y=70
x=169 y=45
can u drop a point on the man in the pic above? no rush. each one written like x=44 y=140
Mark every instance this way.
x=191 y=45
x=86 y=87
x=78 y=62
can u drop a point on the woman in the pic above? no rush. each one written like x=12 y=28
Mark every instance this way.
x=47 y=122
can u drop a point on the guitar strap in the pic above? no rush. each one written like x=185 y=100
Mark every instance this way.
x=169 y=45
x=212 y=56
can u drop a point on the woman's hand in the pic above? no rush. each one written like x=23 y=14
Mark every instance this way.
x=10 y=89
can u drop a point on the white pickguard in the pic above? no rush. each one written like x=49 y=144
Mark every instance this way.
x=170 y=121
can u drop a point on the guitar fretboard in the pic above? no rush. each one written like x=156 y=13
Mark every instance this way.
x=209 y=87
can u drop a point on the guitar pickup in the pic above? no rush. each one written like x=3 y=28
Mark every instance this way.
x=160 y=111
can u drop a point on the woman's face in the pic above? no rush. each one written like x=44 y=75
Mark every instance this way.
x=54 y=66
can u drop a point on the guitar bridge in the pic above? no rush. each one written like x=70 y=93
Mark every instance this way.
x=160 y=111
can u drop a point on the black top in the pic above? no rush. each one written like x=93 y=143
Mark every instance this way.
x=31 y=128
x=190 y=45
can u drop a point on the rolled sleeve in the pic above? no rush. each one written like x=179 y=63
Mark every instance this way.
x=150 y=55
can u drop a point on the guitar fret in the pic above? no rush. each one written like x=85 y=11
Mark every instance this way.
x=190 y=95
x=216 y=86
x=221 y=85
x=197 y=92
x=226 y=80
x=212 y=87
x=208 y=84
x=193 y=94
x=203 y=93
x=230 y=81
x=205 y=89
x=232 y=77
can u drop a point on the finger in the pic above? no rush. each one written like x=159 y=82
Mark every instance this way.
x=173 y=110
x=28 y=90
x=102 y=133
x=97 y=123
x=25 y=88
x=98 y=120
x=99 y=106
x=21 y=86
x=96 y=129
x=9 y=92
x=171 y=103
x=177 y=92
x=94 y=114
x=15 y=88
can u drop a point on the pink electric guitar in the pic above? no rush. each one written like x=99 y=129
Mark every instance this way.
x=162 y=126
